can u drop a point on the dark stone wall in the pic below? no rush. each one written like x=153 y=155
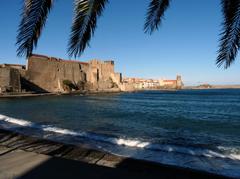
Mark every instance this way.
x=9 y=80
x=49 y=73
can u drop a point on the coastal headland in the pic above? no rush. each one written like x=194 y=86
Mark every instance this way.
x=208 y=86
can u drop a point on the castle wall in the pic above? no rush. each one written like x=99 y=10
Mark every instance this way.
x=105 y=69
x=102 y=75
x=116 y=77
x=9 y=80
x=49 y=73
x=4 y=77
x=16 y=66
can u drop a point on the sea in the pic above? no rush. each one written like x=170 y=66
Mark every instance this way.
x=198 y=129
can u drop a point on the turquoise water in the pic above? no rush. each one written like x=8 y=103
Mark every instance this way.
x=203 y=123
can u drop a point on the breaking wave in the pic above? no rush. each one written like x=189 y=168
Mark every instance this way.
x=47 y=128
x=132 y=143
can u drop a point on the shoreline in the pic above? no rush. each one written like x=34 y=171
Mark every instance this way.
x=16 y=141
x=20 y=95
x=32 y=94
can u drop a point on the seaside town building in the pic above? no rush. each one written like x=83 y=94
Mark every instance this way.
x=140 y=83
x=50 y=74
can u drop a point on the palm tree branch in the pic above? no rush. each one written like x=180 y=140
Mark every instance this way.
x=230 y=36
x=84 y=24
x=155 y=14
x=34 y=16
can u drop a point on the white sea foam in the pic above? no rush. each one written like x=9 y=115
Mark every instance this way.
x=118 y=141
x=16 y=121
x=235 y=156
x=234 y=151
x=60 y=131
x=121 y=141
x=132 y=143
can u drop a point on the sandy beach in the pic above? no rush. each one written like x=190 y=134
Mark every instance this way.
x=29 y=157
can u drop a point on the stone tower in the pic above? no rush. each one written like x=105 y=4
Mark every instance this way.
x=179 y=82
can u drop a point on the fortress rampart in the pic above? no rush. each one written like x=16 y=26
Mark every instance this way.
x=9 y=80
x=49 y=73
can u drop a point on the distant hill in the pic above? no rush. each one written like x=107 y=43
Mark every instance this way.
x=208 y=86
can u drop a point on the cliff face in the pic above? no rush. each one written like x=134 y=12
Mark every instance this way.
x=52 y=74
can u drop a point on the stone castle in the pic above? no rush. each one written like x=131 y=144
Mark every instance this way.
x=55 y=75
x=50 y=74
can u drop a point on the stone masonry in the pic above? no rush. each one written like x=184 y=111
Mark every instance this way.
x=9 y=80
x=49 y=73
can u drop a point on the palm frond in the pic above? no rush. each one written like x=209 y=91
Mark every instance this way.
x=34 y=16
x=84 y=24
x=155 y=15
x=230 y=40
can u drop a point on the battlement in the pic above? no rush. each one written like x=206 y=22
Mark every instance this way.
x=109 y=62
x=54 y=59
x=16 y=66
x=50 y=72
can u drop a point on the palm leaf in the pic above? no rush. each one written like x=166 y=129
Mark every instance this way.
x=155 y=15
x=230 y=40
x=84 y=24
x=34 y=16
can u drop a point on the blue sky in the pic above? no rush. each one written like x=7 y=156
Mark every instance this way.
x=186 y=43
